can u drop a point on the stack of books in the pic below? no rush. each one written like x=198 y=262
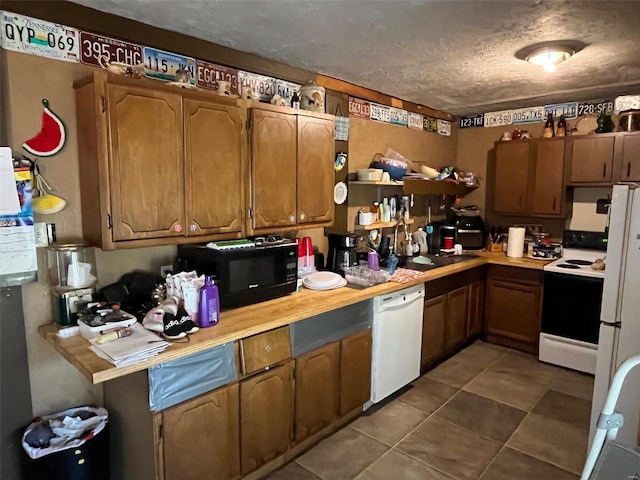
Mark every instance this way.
x=138 y=346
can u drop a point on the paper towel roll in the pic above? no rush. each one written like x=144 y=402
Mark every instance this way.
x=515 y=244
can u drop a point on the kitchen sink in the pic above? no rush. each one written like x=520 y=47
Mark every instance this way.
x=436 y=262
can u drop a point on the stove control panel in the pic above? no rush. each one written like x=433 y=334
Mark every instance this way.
x=584 y=239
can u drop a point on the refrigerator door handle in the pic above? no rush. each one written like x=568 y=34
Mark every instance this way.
x=612 y=324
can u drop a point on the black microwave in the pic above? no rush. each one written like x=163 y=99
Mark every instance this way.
x=245 y=275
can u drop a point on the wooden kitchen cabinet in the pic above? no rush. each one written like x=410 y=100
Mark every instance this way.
x=201 y=437
x=433 y=330
x=512 y=177
x=456 y=325
x=317 y=393
x=591 y=159
x=513 y=307
x=215 y=149
x=292 y=173
x=355 y=371
x=266 y=406
x=476 y=309
x=548 y=188
x=630 y=158
x=158 y=164
x=529 y=178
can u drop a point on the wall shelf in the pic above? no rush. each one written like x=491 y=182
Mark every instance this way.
x=398 y=183
x=379 y=225
x=430 y=187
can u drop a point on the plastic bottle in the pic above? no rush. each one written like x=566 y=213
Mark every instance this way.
x=386 y=210
x=209 y=303
x=548 y=132
x=376 y=212
x=420 y=237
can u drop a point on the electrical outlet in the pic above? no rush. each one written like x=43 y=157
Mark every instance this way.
x=165 y=269
x=602 y=205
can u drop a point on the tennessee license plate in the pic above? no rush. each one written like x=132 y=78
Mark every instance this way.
x=208 y=75
x=163 y=65
x=92 y=47
x=46 y=39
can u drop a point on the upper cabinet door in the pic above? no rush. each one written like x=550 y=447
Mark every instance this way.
x=146 y=163
x=548 y=189
x=512 y=177
x=592 y=160
x=315 y=170
x=273 y=182
x=631 y=158
x=214 y=158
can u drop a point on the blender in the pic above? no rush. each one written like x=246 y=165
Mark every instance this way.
x=71 y=275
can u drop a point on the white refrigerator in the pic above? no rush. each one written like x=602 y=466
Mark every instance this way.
x=620 y=313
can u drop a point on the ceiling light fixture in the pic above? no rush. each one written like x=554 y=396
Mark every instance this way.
x=549 y=55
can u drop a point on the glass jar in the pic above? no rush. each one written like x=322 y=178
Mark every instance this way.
x=312 y=98
x=71 y=266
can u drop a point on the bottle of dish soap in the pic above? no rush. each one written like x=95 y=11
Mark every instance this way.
x=209 y=303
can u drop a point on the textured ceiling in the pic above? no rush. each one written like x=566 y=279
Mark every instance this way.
x=456 y=56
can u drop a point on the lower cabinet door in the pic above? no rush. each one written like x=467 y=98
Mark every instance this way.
x=266 y=412
x=456 y=328
x=433 y=330
x=316 y=390
x=201 y=437
x=355 y=371
x=476 y=308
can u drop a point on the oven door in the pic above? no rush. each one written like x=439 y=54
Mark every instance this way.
x=571 y=321
x=571 y=306
x=470 y=239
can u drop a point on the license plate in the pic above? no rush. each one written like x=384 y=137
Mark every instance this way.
x=429 y=124
x=444 y=128
x=380 y=113
x=595 y=107
x=415 y=121
x=627 y=102
x=528 y=115
x=264 y=88
x=496 y=119
x=208 y=75
x=286 y=89
x=569 y=110
x=92 y=47
x=46 y=39
x=474 y=121
x=399 y=117
x=163 y=65
x=359 y=108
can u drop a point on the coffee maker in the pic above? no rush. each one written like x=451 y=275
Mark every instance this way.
x=342 y=252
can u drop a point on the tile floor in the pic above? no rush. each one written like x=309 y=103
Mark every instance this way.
x=487 y=413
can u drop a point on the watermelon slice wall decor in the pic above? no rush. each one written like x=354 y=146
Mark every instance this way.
x=51 y=137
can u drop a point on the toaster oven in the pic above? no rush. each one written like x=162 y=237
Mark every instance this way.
x=469 y=232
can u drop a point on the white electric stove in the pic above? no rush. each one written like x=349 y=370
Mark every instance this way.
x=571 y=303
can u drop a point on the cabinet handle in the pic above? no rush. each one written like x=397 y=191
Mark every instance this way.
x=628 y=169
x=554 y=204
x=604 y=170
x=292 y=218
x=302 y=216
x=104 y=104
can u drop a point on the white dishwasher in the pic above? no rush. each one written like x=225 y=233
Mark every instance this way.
x=397 y=339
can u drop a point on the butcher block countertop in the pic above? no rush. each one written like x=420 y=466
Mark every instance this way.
x=260 y=317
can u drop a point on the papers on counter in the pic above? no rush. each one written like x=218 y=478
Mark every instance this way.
x=138 y=346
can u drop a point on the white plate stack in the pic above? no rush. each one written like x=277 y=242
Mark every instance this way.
x=323 y=281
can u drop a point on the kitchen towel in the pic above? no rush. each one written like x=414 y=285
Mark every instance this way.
x=515 y=244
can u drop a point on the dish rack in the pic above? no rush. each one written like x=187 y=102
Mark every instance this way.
x=364 y=276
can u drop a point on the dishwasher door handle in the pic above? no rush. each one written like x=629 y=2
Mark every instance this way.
x=400 y=301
